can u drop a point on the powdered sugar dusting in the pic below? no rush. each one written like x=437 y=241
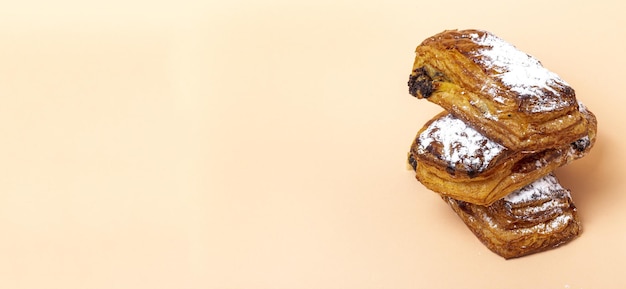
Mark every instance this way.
x=550 y=226
x=541 y=188
x=519 y=71
x=462 y=144
x=543 y=207
x=582 y=108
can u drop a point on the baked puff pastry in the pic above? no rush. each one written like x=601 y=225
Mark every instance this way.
x=508 y=124
x=538 y=217
x=453 y=159
x=505 y=93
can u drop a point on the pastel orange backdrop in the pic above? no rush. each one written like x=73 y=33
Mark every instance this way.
x=262 y=144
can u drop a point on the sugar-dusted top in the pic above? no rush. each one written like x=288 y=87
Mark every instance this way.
x=544 y=188
x=461 y=145
x=519 y=71
x=524 y=79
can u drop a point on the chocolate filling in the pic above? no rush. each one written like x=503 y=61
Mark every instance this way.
x=420 y=82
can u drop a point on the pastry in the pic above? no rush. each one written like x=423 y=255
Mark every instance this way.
x=504 y=93
x=453 y=159
x=508 y=124
x=535 y=218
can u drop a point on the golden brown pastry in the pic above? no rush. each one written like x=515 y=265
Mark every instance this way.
x=508 y=123
x=504 y=93
x=453 y=159
x=535 y=218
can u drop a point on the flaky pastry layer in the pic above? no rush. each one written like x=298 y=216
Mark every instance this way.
x=454 y=160
x=508 y=95
x=535 y=218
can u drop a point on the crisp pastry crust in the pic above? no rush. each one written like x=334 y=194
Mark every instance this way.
x=508 y=123
x=535 y=218
x=453 y=159
x=505 y=93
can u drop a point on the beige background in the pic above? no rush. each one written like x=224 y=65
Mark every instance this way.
x=261 y=144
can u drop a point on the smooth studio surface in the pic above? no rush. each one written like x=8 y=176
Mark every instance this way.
x=262 y=144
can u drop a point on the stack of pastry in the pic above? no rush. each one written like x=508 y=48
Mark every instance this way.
x=508 y=124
